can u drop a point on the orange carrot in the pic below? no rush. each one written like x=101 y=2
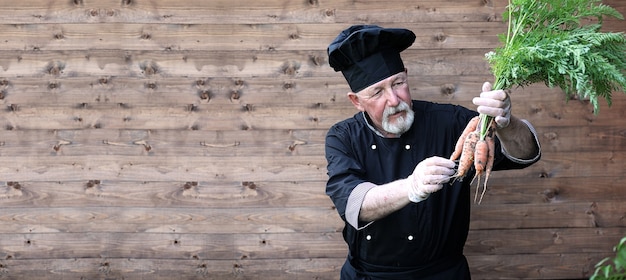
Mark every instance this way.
x=458 y=148
x=481 y=152
x=470 y=150
x=491 y=143
x=467 y=154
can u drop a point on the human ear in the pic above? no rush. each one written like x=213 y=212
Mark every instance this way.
x=355 y=101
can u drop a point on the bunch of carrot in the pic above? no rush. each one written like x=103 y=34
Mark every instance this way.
x=476 y=147
x=546 y=41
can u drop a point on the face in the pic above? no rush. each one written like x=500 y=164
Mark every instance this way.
x=388 y=104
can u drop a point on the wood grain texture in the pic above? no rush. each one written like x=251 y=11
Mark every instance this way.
x=185 y=140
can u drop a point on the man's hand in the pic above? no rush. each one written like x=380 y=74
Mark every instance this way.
x=495 y=103
x=429 y=177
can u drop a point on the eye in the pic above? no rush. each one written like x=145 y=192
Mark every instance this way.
x=375 y=93
x=398 y=83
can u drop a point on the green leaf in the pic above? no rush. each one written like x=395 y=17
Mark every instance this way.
x=546 y=42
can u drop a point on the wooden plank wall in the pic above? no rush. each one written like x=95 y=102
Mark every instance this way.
x=172 y=139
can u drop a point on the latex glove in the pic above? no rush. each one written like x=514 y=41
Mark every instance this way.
x=428 y=177
x=495 y=103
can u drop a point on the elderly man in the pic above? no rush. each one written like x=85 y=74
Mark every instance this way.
x=388 y=167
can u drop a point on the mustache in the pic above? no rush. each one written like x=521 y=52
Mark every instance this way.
x=403 y=106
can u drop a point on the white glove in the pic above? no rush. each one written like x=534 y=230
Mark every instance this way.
x=495 y=103
x=429 y=177
x=504 y=120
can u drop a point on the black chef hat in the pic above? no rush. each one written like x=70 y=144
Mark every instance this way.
x=367 y=54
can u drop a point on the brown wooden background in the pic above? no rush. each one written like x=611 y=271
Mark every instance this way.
x=172 y=139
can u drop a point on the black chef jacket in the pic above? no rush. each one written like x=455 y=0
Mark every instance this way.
x=422 y=240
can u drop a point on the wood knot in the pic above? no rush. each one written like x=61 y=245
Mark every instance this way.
x=151 y=86
x=329 y=12
x=55 y=68
x=53 y=85
x=235 y=95
x=288 y=85
x=248 y=108
x=14 y=185
x=448 y=89
x=290 y=68
x=295 y=143
x=317 y=60
x=149 y=68
x=3 y=93
x=556 y=116
x=58 y=145
x=556 y=238
x=189 y=185
x=128 y=58
x=192 y=107
x=592 y=209
x=127 y=2
x=202 y=269
x=239 y=83
x=318 y=105
x=249 y=185
x=551 y=135
x=550 y=195
x=313 y=3
x=103 y=80
x=77 y=3
x=92 y=183
x=143 y=143
x=440 y=37
x=104 y=268
x=205 y=94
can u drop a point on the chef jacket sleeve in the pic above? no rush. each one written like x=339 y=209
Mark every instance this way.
x=526 y=162
x=346 y=186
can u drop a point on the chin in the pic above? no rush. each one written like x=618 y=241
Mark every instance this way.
x=401 y=124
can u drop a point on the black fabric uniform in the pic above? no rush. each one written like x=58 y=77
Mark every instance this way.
x=422 y=240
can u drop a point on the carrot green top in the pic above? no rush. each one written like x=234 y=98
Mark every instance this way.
x=547 y=41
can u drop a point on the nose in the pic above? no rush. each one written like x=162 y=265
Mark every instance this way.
x=392 y=97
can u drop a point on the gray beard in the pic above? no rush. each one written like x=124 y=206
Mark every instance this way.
x=402 y=124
